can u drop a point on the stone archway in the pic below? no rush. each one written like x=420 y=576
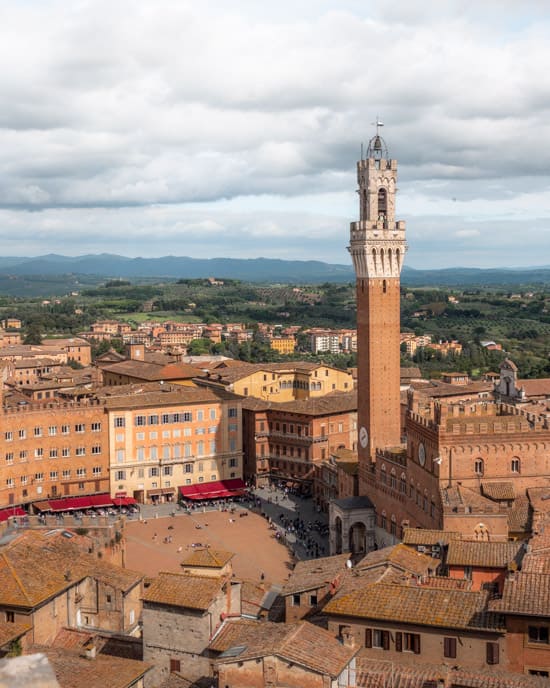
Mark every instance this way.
x=351 y=525
x=357 y=538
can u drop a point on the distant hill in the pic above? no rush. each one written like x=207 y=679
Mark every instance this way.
x=251 y=270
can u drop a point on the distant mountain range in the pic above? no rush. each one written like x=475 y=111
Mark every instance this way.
x=254 y=270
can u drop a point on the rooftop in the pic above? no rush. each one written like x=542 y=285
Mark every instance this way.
x=206 y=557
x=417 y=605
x=525 y=594
x=498 y=490
x=183 y=590
x=35 y=567
x=310 y=574
x=73 y=669
x=377 y=673
x=499 y=555
x=400 y=556
x=300 y=643
x=423 y=536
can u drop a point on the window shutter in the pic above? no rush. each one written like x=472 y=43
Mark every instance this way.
x=492 y=653
x=386 y=640
x=449 y=647
x=416 y=644
x=399 y=642
x=368 y=637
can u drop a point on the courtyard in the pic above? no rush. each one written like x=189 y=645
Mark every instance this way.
x=262 y=537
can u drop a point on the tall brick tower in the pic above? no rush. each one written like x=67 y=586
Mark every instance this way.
x=377 y=247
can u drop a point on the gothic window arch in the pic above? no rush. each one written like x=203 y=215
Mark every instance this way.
x=515 y=465
x=481 y=532
x=479 y=467
x=393 y=479
x=382 y=204
x=383 y=477
x=403 y=484
x=393 y=525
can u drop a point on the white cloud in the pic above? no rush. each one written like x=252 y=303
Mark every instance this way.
x=238 y=124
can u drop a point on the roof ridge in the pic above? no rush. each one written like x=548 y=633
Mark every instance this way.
x=289 y=637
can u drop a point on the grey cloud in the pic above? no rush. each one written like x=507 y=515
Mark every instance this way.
x=131 y=105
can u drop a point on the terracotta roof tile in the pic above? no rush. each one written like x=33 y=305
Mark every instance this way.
x=459 y=497
x=183 y=590
x=12 y=631
x=206 y=557
x=310 y=574
x=73 y=670
x=498 y=490
x=416 y=605
x=335 y=402
x=525 y=594
x=375 y=673
x=535 y=388
x=155 y=394
x=36 y=566
x=520 y=516
x=301 y=643
x=422 y=536
x=487 y=554
x=444 y=583
x=254 y=594
x=400 y=556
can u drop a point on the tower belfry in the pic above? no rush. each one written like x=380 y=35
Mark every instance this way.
x=377 y=247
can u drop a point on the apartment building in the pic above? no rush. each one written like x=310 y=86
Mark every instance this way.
x=54 y=450
x=287 y=441
x=77 y=349
x=283 y=345
x=162 y=437
x=280 y=381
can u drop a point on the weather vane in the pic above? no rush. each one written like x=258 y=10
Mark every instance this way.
x=377 y=124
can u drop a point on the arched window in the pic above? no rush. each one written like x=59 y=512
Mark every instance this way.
x=382 y=204
x=384 y=286
x=383 y=474
x=383 y=521
x=393 y=525
x=478 y=467
x=516 y=465
x=403 y=484
x=393 y=479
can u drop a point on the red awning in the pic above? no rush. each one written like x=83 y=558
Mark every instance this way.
x=123 y=501
x=12 y=511
x=101 y=500
x=190 y=492
x=217 y=489
x=69 y=503
x=234 y=484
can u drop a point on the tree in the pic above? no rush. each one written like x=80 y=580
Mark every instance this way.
x=33 y=335
x=199 y=347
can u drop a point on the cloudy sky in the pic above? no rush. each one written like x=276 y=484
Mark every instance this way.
x=232 y=127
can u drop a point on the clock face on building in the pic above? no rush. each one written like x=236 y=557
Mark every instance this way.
x=421 y=454
x=363 y=437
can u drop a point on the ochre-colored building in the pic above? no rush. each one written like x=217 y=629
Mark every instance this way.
x=162 y=437
x=281 y=382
